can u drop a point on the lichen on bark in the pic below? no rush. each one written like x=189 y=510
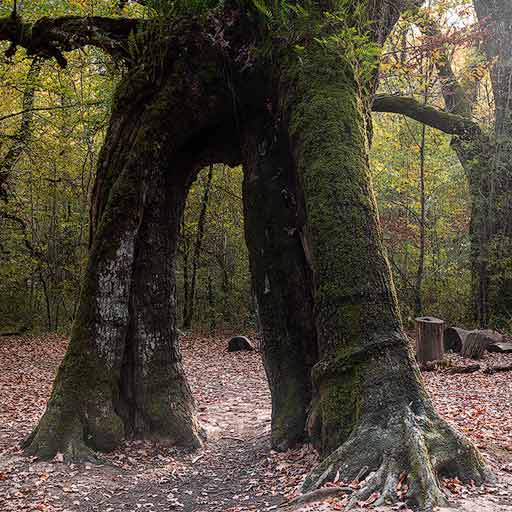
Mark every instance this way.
x=122 y=374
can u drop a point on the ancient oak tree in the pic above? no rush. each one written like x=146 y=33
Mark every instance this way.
x=285 y=91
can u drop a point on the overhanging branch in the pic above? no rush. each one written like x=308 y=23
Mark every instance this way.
x=49 y=37
x=444 y=121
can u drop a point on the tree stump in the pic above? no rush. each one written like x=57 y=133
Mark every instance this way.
x=429 y=339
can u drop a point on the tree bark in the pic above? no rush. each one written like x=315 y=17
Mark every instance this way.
x=154 y=397
x=312 y=224
x=368 y=388
x=454 y=338
x=445 y=121
x=475 y=345
x=281 y=275
x=122 y=373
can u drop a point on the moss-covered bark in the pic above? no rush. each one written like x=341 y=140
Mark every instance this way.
x=122 y=373
x=282 y=277
x=370 y=409
x=312 y=223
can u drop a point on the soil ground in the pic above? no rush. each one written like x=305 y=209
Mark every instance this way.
x=235 y=471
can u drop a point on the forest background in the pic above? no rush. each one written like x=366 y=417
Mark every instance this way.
x=52 y=124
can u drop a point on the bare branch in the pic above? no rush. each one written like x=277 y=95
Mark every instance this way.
x=49 y=37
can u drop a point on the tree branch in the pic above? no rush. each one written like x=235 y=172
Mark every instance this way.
x=49 y=37
x=444 y=121
x=23 y=133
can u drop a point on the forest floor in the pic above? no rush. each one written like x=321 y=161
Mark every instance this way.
x=235 y=471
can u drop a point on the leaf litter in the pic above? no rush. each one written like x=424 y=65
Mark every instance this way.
x=236 y=471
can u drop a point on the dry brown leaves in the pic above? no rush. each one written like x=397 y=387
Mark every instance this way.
x=236 y=471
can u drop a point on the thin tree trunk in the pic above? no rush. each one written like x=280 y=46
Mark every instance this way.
x=23 y=134
x=187 y=320
x=421 y=257
x=496 y=16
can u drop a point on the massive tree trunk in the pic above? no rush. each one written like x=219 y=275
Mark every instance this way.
x=122 y=374
x=371 y=408
x=314 y=238
x=281 y=274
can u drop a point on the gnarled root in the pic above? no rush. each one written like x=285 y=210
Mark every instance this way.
x=404 y=458
x=67 y=432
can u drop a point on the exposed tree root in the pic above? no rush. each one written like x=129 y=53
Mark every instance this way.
x=77 y=436
x=405 y=456
x=75 y=428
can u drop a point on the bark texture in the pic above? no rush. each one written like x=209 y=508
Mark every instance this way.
x=370 y=407
x=122 y=374
x=281 y=273
x=316 y=255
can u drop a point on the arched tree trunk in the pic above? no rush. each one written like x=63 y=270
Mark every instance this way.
x=122 y=373
x=370 y=408
x=369 y=392
x=282 y=277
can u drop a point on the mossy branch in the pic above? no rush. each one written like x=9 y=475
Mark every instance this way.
x=444 y=121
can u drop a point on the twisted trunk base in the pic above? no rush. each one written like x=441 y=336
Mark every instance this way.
x=398 y=439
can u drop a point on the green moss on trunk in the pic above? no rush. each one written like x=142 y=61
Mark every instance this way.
x=370 y=409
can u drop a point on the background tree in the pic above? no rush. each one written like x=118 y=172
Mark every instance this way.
x=477 y=149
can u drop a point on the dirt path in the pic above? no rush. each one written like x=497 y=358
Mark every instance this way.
x=235 y=471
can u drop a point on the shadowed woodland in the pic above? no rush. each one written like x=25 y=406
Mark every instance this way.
x=172 y=168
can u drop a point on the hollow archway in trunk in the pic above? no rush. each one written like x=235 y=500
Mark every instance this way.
x=122 y=375
x=299 y=127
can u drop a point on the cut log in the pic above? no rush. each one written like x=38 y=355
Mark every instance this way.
x=504 y=348
x=491 y=370
x=494 y=336
x=454 y=339
x=238 y=343
x=464 y=369
x=475 y=344
x=429 y=339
